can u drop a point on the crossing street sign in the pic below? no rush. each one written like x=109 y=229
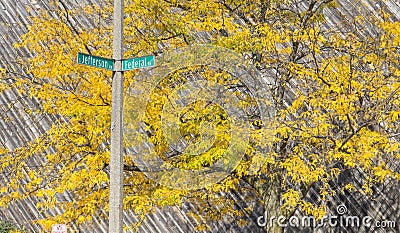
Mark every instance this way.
x=105 y=63
x=99 y=62
x=137 y=63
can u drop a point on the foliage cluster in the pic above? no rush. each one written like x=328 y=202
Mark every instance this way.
x=335 y=94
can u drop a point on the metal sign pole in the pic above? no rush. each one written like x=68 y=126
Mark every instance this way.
x=116 y=155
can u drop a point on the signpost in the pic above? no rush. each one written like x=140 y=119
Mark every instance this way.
x=138 y=62
x=118 y=65
x=99 y=62
x=59 y=228
x=115 y=216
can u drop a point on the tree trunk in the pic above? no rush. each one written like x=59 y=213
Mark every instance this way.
x=270 y=191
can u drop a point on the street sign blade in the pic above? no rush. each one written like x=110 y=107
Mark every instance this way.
x=137 y=63
x=95 y=61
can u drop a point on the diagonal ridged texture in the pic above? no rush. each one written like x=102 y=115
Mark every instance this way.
x=17 y=127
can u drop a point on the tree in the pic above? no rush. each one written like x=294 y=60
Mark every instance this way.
x=335 y=94
x=7 y=227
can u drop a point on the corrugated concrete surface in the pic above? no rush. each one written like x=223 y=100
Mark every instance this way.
x=17 y=127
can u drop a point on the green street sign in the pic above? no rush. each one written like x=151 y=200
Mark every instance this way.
x=100 y=62
x=138 y=62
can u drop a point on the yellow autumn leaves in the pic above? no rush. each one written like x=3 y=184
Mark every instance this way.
x=336 y=100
